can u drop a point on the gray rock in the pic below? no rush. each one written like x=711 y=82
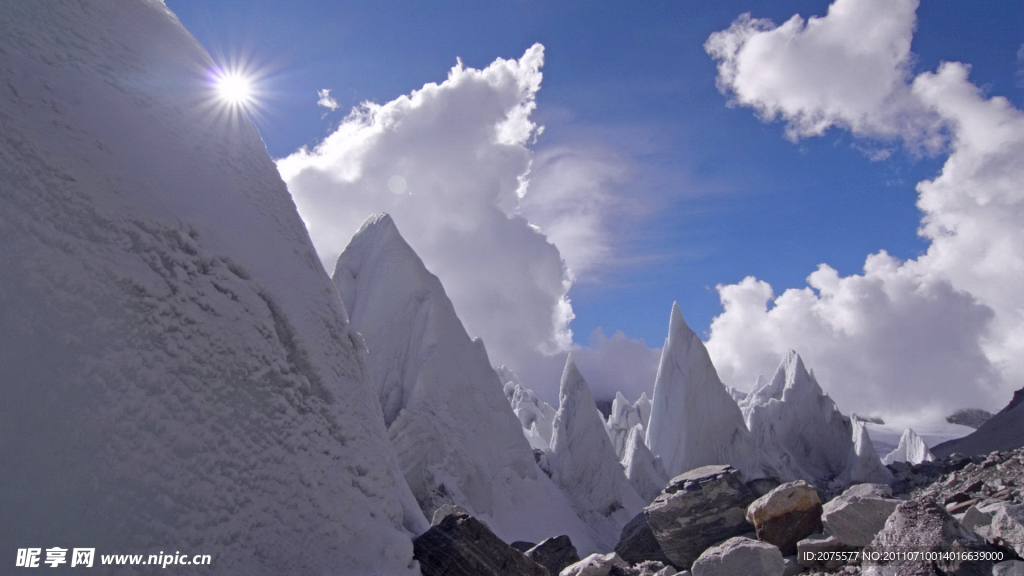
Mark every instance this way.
x=637 y=542
x=1007 y=526
x=790 y=567
x=595 y=565
x=808 y=552
x=698 y=509
x=1008 y=568
x=926 y=526
x=976 y=520
x=461 y=545
x=554 y=554
x=855 y=516
x=786 y=515
x=522 y=546
x=740 y=556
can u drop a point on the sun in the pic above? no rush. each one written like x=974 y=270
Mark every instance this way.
x=234 y=88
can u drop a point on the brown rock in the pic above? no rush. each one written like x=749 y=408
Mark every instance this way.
x=786 y=515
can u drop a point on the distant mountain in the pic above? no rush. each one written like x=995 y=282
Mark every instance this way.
x=1003 y=431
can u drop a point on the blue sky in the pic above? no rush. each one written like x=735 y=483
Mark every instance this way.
x=718 y=194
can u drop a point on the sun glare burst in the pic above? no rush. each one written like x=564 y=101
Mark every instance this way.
x=234 y=88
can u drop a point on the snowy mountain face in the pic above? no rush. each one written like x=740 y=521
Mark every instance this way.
x=911 y=448
x=583 y=463
x=1003 y=431
x=800 y=428
x=643 y=469
x=535 y=415
x=457 y=439
x=624 y=417
x=694 y=420
x=178 y=373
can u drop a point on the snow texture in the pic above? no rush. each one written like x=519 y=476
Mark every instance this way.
x=911 y=448
x=457 y=438
x=178 y=373
x=694 y=420
x=535 y=415
x=624 y=417
x=583 y=463
x=800 y=428
x=867 y=466
x=644 y=470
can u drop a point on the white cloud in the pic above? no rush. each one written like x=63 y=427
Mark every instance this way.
x=325 y=100
x=942 y=331
x=451 y=163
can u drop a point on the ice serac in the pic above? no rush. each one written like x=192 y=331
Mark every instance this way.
x=1004 y=431
x=644 y=470
x=624 y=417
x=457 y=439
x=912 y=449
x=800 y=427
x=178 y=372
x=867 y=467
x=694 y=420
x=583 y=463
x=535 y=415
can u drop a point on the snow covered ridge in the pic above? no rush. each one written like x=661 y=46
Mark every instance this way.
x=458 y=441
x=177 y=368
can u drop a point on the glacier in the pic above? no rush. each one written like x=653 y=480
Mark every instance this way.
x=178 y=370
x=624 y=417
x=455 y=434
x=535 y=415
x=643 y=469
x=911 y=449
x=694 y=420
x=583 y=463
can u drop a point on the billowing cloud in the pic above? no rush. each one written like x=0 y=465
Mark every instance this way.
x=942 y=331
x=325 y=100
x=451 y=163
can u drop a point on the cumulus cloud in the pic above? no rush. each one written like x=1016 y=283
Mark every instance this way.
x=942 y=331
x=325 y=100
x=453 y=165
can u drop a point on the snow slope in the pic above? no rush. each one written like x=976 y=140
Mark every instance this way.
x=694 y=420
x=457 y=438
x=535 y=415
x=801 y=429
x=177 y=371
x=583 y=463
x=624 y=417
x=1003 y=431
x=911 y=449
x=644 y=470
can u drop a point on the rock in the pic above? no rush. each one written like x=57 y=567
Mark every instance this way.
x=445 y=511
x=522 y=546
x=786 y=515
x=650 y=568
x=1008 y=568
x=638 y=543
x=808 y=552
x=855 y=516
x=740 y=556
x=926 y=526
x=790 y=567
x=595 y=565
x=1007 y=526
x=976 y=520
x=554 y=554
x=698 y=509
x=461 y=545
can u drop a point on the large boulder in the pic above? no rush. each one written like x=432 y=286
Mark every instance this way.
x=554 y=554
x=855 y=516
x=786 y=515
x=740 y=556
x=638 y=543
x=926 y=526
x=1007 y=526
x=1008 y=568
x=698 y=509
x=596 y=565
x=461 y=545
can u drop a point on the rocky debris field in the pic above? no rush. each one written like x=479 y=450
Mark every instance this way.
x=710 y=521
